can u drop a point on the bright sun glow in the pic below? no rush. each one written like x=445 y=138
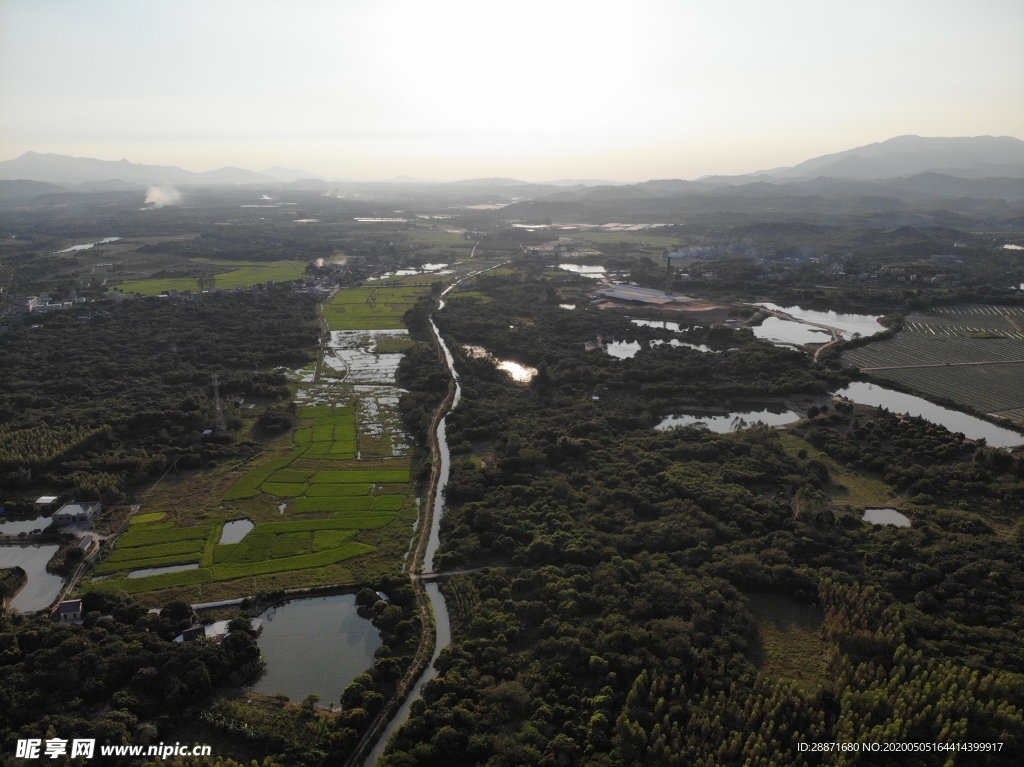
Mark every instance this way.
x=541 y=90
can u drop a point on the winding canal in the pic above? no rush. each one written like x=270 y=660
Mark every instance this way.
x=422 y=562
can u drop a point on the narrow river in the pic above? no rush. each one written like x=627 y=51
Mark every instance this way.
x=437 y=603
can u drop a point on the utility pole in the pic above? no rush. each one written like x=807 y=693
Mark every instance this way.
x=221 y=424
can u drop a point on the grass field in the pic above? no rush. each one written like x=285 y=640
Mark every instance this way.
x=927 y=355
x=790 y=645
x=228 y=274
x=847 y=486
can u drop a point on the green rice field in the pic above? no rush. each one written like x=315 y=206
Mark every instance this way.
x=371 y=308
x=228 y=274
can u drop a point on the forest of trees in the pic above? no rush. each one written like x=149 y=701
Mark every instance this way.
x=616 y=623
x=96 y=405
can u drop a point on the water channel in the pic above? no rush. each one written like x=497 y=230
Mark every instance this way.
x=147 y=571
x=442 y=622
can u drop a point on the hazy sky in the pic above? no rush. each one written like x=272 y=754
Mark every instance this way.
x=533 y=90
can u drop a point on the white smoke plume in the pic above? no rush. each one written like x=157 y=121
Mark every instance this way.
x=159 y=196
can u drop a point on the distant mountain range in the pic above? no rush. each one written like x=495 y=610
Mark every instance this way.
x=987 y=167
x=61 y=169
x=904 y=156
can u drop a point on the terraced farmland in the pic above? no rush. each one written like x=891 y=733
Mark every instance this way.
x=972 y=354
x=323 y=499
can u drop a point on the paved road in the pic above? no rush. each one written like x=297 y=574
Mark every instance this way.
x=945 y=365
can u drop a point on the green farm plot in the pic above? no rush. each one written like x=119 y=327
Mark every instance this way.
x=144 y=537
x=375 y=476
x=194 y=577
x=323 y=433
x=284 y=489
x=331 y=539
x=350 y=503
x=334 y=491
x=370 y=308
x=249 y=485
x=256 y=548
x=291 y=475
x=140 y=564
x=228 y=274
x=194 y=546
x=363 y=520
x=227 y=571
x=145 y=519
x=388 y=502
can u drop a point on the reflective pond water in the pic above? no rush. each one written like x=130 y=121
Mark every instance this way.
x=42 y=587
x=316 y=645
x=586 y=271
x=788 y=333
x=865 y=324
x=88 y=245
x=625 y=350
x=15 y=526
x=864 y=393
x=885 y=517
x=235 y=530
x=518 y=371
x=724 y=423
